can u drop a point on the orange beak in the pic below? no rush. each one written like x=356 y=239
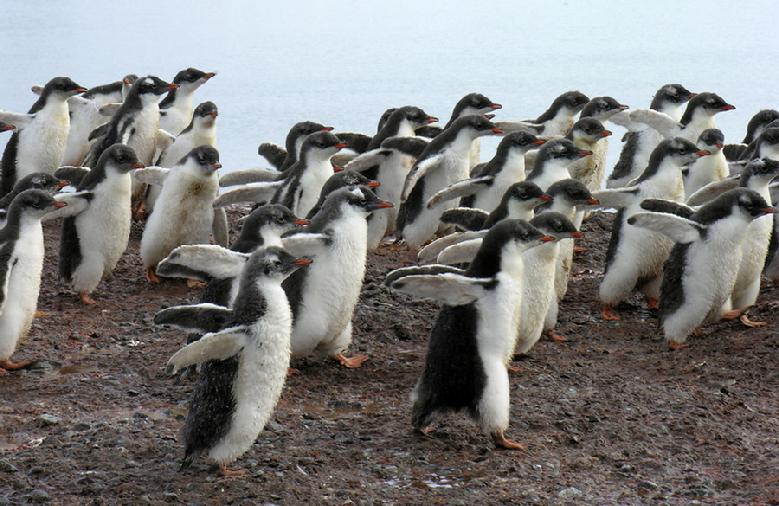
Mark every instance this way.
x=327 y=129
x=495 y=106
x=173 y=86
x=58 y=204
x=62 y=184
x=209 y=75
x=373 y=184
x=214 y=114
x=547 y=238
x=216 y=166
x=384 y=204
x=539 y=142
x=768 y=210
x=4 y=127
x=545 y=197
x=702 y=152
x=301 y=222
x=727 y=107
x=431 y=119
x=577 y=235
x=593 y=202
x=303 y=261
x=138 y=165
x=80 y=89
x=341 y=145
x=605 y=133
x=336 y=168
x=584 y=152
x=497 y=131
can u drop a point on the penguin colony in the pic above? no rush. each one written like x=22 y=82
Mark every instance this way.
x=694 y=230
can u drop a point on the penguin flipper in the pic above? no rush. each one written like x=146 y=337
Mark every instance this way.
x=450 y=288
x=204 y=260
x=663 y=123
x=616 y=198
x=6 y=252
x=164 y=139
x=713 y=190
x=429 y=131
x=220 y=229
x=411 y=146
x=215 y=346
x=356 y=142
x=252 y=192
x=667 y=206
x=623 y=119
x=676 y=228
x=197 y=317
x=460 y=189
x=246 y=176
x=430 y=252
x=420 y=270
x=466 y=218
x=461 y=253
x=367 y=161
x=418 y=171
x=518 y=126
x=77 y=203
x=734 y=152
x=16 y=119
x=73 y=175
x=305 y=243
x=109 y=109
x=151 y=175
x=99 y=131
x=274 y=153
x=342 y=160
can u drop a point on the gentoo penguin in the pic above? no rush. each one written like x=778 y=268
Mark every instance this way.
x=323 y=297
x=557 y=120
x=553 y=160
x=474 y=334
x=401 y=123
x=757 y=124
x=283 y=159
x=176 y=107
x=184 y=212
x=701 y=270
x=766 y=145
x=341 y=180
x=85 y=117
x=709 y=168
x=21 y=264
x=93 y=240
x=444 y=161
x=589 y=134
x=488 y=182
x=34 y=181
x=635 y=256
x=634 y=157
x=245 y=363
x=538 y=288
x=772 y=259
x=472 y=104
x=39 y=141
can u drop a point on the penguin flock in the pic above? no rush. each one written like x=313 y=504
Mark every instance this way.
x=694 y=230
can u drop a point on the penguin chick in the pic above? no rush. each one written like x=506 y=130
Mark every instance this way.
x=556 y=121
x=176 y=107
x=553 y=160
x=244 y=363
x=184 y=213
x=343 y=179
x=282 y=159
x=701 y=270
x=589 y=134
x=756 y=126
x=698 y=116
x=85 y=117
x=707 y=169
x=475 y=331
x=34 y=181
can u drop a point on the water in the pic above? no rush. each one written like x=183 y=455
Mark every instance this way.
x=342 y=63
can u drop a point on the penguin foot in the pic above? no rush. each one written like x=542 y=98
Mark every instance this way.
x=652 y=303
x=580 y=249
x=744 y=319
x=291 y=371
x=732 y=314
x=351 y=362
x=139 y=211
x=514 y=369
x=8 y=365
x=40 y=314
x=608 y=314
x=554 y=336
x=697 y=332
x=677 y=346
x=230 y=473
x=501 y=441
x=151 y=276
x=86 y=299
x=427 y=430
x=194 y=283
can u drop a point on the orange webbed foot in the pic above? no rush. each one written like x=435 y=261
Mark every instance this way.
x=608 y=314
x=151 y=276
x=652 y=303
x=744 y=319
x=731 y=315
x=86 y=299
x=351 y=362
x=501 y=441
x=231 y=473
x=677 y=346
x=9 y=365
x=554 y=336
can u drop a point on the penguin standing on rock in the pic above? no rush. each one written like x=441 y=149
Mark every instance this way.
x=176 y=107
x=94 y=239
x=39 y=141
x=699 y=275
x=474 y=334
x=244 y=363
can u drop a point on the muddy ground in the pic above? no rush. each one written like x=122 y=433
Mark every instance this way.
x=610 y=417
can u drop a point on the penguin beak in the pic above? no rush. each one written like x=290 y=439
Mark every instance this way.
x=137 y=165
x=622 y=107
x=80 y=89
x=173 y=86
x=495 y=107
x=301 y=222
x=58 y=204
x=546 y=238
x=213 y=114
x=302 y=261
x=341 y=145
x=727 y=107
x=126 y=82
x=544 y=197
x=327 y=129
x=209 y=75
x=4 y=127
x=539 y=142
x=577 y=235
x=431 y=119
x=768 y=210
x=337 y=169
x=606 y=133
x=62 y=183
x=497 y=131
x=381 y=204
x=216 y=166
x=692 y=95
x=593 y=202
x=373 y=184
x=702 y=152
x=584 y=152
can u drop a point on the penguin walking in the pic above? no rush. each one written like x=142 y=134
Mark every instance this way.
x=21 y=264
x=176 y=107
x=474 y=334
x=184 y=212
x=244 y=364
x=635 y=256
x=700 y=272
x=709 y=168
x=281 y=158
x=444 y=161
x=556 y=121
x=39 y=141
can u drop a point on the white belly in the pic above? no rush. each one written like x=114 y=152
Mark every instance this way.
x=42 y=142
x=537 y=294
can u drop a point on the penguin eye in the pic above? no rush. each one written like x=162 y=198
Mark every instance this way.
x=523 y=195
x=280 y=220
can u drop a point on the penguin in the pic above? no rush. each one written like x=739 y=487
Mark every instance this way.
x=444 y=161
x=472 y=104
x=475 y=331
x=401 y=123
x=35 y=181
x=283 y=159
x=756 y=126
x=772 y=259
x=635 y=256
x=518 y=202
x=340 y=180
x=489 y=181
x=709 y=168
x=766 y=145
x=93 y=240
x=589 y=134
x=601 y=109
x=21 y=264
x=176 y=107
x=39 y=141
x=244 y=364
x=634 y=157
x=553 y=160
x=184 y=212
x=702 y=268
x=556 y=121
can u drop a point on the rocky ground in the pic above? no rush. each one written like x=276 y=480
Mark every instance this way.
x=610 y=417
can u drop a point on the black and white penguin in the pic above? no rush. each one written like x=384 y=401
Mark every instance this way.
x=707 y=169
x=401 y=123
x=756 y=126
x=35 y=181
x=444 y=161
x=557 y=120
x=184 y=212
x=340 y=180
x=589 y=134
x=635 y=256
x=699 y=275
x=39 y=141
x=93 y=240
x=244 y=364
x=472 y=104
x=489 y=181
x=553 y=160
x=21 y=264
x=283 y=158
x=475 y=331
x=85 y=117
x=766 y=145
x=634 y=157
x=772 y=259
x=176 y=107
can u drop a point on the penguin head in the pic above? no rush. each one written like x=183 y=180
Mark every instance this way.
x=192 y=78
x=474 y=104
x=602 y=108
x=120 y=159
x=571 y=192
x=410 y=146
x=306 y=128
x=525 y=194
x=475 y=126
x=681 y=151
x=708 y=103
x=671 y=94
x=556 y=225
x=511 y=237
x=589 y=130
x=574 y=101
x=321 y=146
x=202 y=161
x=359 y=199
x=127 y=83
x=711 y=140
x=347 y=178
x=416 y=116
x=758 y=123
x=151 y=88
x=747 y=202
x=205 y=114
x=34 y=203
x=519 y=142
x=39 y=181
x=62 y=87
x=762 y=171
x=273 y=263
x=561 y=150
x=770 y=136
x=273 y=218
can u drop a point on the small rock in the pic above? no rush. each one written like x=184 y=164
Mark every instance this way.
x=7 y=467
x=39 y=496
x=626 y=468
x=49 y=419
x=569 y=493
x=646 y=484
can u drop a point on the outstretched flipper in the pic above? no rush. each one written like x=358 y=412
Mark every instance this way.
x=248 y=193
x=616 y=198
x=449 y=288
x=663 y=123
x=274 y=153
x=678 y=229
x=220 y=229
x=202 y=261
x=305 y=243
x=99 y=131
x=151 y=175
x=20 y=121
x=420 y=270
x=430 y=252
x=341 y=159
x=246 y=176
x=465 y=218
x=460 y=253
x=417 y=171
x=74 y=175
x=75 y=203
x=667 y=206
x=518 y=126
x=109 y=109
x=460 y=189
x=197 y=318
x=218 y=346
x=367 y=161
x=713 y=190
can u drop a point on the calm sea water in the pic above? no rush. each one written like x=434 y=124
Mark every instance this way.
x=342 y=63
